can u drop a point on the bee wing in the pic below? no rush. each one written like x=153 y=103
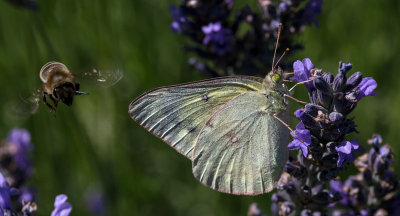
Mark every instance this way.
x=28 y=105
x=103 y=78
x=176 y=114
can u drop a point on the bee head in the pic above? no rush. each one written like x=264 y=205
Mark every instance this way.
x=65 y=93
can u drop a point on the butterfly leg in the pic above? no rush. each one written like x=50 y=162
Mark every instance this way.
x=283 y=122
x=291 y=90
x=297 y=100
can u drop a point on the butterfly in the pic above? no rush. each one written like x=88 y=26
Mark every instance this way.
x=232 y=128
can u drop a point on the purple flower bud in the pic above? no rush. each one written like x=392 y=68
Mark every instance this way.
x=287 y=208
x=376 y=141
x=311 y=10
x=314 y=110
x=219 y=37
x=322 y=197
x=254 y=210
x=305 y=192
x=335 y=117
x=339 y=83
x=306 y=212
x=179 y=20
x=353 y=80
x=297 y=171
x=345 y=67
x=283 y=7
x=340 y=103
x=328 y=77
x=27 y=195
x=325 y=99
x=61 y=206
x=321 y=85
x=302 y=139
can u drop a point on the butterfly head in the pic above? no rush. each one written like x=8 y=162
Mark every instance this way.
x=274 y=78
x=275 y=90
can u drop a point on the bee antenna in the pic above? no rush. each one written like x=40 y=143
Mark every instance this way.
x=284 y=53
x=81 y=93
x=276 y=45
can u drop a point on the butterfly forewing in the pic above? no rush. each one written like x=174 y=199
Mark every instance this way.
x=176 y=114
x=241 y=149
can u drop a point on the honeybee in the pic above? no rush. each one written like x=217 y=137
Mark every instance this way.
x=60 y=85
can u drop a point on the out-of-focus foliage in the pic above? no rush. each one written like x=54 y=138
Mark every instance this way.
x=95 y=144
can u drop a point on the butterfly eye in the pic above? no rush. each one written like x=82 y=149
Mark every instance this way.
x=276 y=77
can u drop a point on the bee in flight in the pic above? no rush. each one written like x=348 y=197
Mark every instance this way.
x=60 y=85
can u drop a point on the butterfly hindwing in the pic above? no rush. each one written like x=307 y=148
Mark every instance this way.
x=241 y=149
x=176 y=114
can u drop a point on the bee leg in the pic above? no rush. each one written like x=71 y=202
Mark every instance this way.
x=55 y=103
x=47 y=103
x=283 y=122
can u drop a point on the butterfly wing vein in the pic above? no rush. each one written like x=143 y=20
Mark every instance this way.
x=241 y=149
x=176 y=114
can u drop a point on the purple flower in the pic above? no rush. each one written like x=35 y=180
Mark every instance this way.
x=302 y=139
x=337 y=186
x=283 y=7
x=21 y=140
x=27 y=195
x=5 y=192
x=302 y=72
x=95 y=202
x=218 y=36
x=254 y=210
x=311 y=10
x=178 y=19
x=345 y=151
x=367 y=86
x=61 y=206
x=229 y=3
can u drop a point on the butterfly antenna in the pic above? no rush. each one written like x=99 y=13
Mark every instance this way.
x=276 y=45
x=284 y=53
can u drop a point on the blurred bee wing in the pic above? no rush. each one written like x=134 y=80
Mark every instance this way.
x=26 y=106
x=103 y=78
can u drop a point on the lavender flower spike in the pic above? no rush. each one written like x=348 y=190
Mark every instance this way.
x=61 y=206
x=302 y=139
x=345 y=151
x=20 y=140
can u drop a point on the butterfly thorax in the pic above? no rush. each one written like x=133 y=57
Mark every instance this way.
x=275 y=91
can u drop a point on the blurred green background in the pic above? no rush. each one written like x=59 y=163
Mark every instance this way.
x=95 y=144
